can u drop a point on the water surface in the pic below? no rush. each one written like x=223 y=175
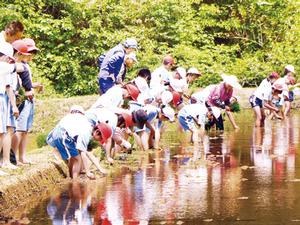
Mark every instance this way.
x=250 y=176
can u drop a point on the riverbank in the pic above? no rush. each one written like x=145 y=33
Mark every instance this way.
x=29 y=184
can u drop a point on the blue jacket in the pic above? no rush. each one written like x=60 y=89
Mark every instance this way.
x=26 y=78
x=112 y=62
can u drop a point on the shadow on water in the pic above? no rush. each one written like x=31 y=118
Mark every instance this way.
x=250 y=176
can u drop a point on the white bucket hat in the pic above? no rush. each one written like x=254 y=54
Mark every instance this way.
x=182 y=72
x=131 y=43
x=166 y=97
x=77 y=108
x=177 y=85
x=290 y=68
x=169 y=113
x=231 y=80
x=216 y=112
x=193 y=70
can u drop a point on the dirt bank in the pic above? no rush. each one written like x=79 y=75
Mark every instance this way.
x=27 y=184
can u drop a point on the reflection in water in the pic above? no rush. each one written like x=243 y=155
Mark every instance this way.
x=71 y=206
x=238 y=177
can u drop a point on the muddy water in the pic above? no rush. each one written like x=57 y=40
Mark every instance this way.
x=250 y=176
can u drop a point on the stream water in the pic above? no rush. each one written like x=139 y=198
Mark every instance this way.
x=250 y=176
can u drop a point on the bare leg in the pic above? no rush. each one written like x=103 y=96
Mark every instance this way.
x=138 y=140
x=76 y=166
x=231 y=118
x=156 y=138
x=108 y=147
x=195 y=138
x=145 y=140
x=6 y=150
x=287 y=108
x=258 y=116
x=22 y=148
x=15 y=142
x=86 y=165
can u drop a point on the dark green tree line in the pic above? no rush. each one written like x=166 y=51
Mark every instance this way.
x=247 y=38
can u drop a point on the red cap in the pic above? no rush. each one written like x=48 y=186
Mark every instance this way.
x=168 y=59
x=133 y=91
x=105 y=130
x=21 y=47
x=176 y=98
x=128 y=119
x=30 y=44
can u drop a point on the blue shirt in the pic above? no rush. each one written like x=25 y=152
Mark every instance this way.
x=112 y=63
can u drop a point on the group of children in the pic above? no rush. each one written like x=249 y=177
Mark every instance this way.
x=137 y=108
x=274 y=96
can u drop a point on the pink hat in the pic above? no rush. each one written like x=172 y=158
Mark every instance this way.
x=21 y=47
x=30 y=44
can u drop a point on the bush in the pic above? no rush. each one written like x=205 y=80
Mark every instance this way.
x=41 y=140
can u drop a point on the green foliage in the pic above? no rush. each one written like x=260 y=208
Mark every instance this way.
x=41 y=140
x=247 y=38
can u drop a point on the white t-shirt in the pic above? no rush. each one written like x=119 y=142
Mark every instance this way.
x=158 y=77
x=264 y=90
x=197 y=111
x=202 y=96
x=6 y=77
x=141 y=84
x=102 y=115
x=78 y=125
x=111 y=99
x=2 y=39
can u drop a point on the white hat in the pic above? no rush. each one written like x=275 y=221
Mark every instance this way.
x=290 y=68
x=6 y=49
x=177 y=85
x=216 y=112
x=193 y=70
x=141 y=84
x=181 y=71
x=166 y=97
x=130 y=43
x=231 y=80
x=77 y=108
x=132 y=56
x=145 y=96
x=169 y=113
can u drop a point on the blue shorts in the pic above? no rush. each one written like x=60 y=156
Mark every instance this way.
x=3 y=113
x=105 y=84
x=10 y=118
x=25 y=120
x=58 y=138
x=254 y=101
x=291 y=96
x=187 y=123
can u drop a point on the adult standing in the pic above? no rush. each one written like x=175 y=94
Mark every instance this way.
x=13 y=31
x=112 y=63
x=161 y=76
x=221 y=94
